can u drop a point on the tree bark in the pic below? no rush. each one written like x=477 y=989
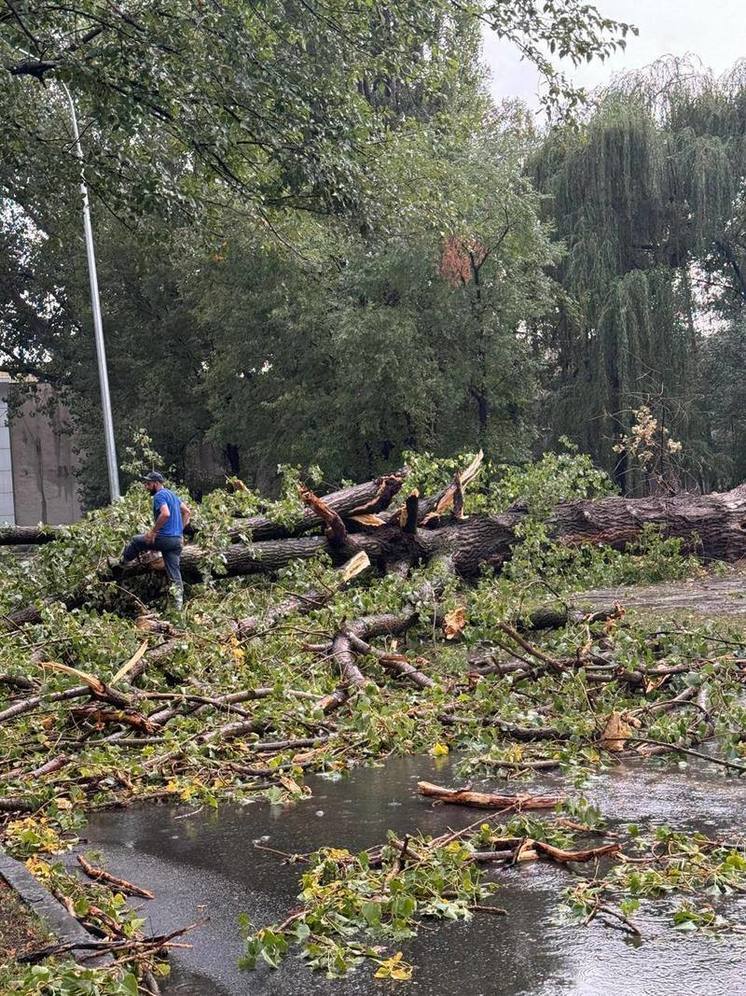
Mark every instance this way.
x=713 y=526
x=27 y=535
x=359 y=500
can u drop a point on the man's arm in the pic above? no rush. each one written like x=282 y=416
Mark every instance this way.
x=160 y=522
x=186 y=514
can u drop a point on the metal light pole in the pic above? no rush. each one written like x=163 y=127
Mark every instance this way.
x=98 y=328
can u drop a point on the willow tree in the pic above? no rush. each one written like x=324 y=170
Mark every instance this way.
x=646 y=195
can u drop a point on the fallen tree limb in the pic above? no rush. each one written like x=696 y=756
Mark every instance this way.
x=487 y=800
x=563 y=857
x=100 y=717
x=393 y=662
x=23 y=706
x=677 y=748
x=18 y=804
x=99 y=875
x=359 y=500
x=188 y=703
x=123 y=945
x=528 y=733
x=489 y=857
x=353 y=638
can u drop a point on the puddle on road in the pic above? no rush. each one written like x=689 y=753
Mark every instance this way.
x=206 y=864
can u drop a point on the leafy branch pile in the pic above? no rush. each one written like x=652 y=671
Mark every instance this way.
x=383 y=895
x=136 y=961
x=327 y=663
x=350 y=901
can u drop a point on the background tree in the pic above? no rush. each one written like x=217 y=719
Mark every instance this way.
x=648 y=198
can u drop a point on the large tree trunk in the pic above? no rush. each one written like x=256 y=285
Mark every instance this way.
x=356 y=501
x=712 y=526
x=27 y=535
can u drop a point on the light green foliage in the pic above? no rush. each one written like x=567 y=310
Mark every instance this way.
x=545 y=483
x=104 y=911
x=345 y=897
x=66 y=978
x=538 y=485
x=74 y=560
x=350 y=900
x=667 y=863
x=489 y=720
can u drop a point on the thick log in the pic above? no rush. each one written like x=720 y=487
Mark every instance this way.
x=713 y=526
x=27 y=535
x=360 y=499
x=487 y=800
x=717 y=519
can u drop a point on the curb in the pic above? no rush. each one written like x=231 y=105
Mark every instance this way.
x=55 y=917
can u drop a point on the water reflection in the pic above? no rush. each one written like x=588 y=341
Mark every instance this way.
x=206 y=864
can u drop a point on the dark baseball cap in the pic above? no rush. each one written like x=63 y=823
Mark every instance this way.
x=154 y=477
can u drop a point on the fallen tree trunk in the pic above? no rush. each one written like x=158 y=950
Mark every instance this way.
x=27 y=535
x=713 y=526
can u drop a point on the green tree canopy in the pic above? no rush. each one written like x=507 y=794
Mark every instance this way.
x=648 y=197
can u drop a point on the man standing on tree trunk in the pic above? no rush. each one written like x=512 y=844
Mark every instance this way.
x=170 y=515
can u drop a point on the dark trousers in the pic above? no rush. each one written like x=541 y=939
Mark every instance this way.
x=168 y=546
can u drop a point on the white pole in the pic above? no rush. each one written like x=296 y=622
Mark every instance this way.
x=98 y=328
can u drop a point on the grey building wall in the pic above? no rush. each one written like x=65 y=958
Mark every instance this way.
x=7 y=504
x=41 y=463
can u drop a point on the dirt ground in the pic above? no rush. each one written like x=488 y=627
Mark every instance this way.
x=20 y=929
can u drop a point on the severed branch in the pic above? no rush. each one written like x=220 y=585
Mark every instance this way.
x=358 y=501
x=335 y=529
x=122 y=945
x=487 y=800
x=393 y=662
x=563 y=857
x=408 y=514
x=99 y=875
x=692 y=753
x=452 y=497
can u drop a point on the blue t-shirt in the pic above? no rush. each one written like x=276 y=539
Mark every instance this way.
x=174 y=526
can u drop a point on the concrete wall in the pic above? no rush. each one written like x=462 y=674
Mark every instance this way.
x=41 y=464
x=7 y=504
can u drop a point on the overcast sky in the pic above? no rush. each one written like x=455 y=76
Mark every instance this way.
x=714 y=30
